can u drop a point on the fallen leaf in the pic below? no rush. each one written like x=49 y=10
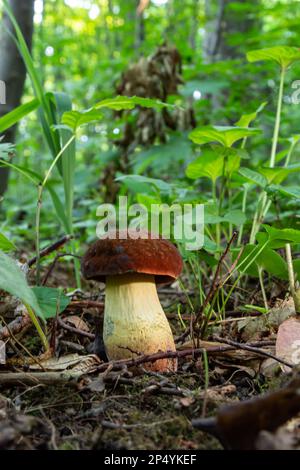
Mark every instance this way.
x=70 y=361
x=186 y=401
x=288 y=342
x=77 y=322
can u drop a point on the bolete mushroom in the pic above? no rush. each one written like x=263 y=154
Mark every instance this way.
x=134 y=321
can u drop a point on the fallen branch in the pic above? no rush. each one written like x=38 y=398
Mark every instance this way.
x=74 y=330
x=45 y=378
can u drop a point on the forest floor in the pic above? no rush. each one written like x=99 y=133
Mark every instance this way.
x=123 y=408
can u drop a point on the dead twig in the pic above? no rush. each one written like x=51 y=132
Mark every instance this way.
x=74 y=330
x=49 y=249
x=15 y=327
x=34 y=378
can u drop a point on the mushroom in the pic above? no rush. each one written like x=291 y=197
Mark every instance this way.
x=134 y=321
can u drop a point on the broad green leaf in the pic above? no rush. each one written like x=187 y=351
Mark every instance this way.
x=277 y=175
x=235 y=217
x=5 y=244
x=289 y=235
x=10 y=119
x=210 y=245
x=225 y=135
x=157 y=183
x=268 y=260
x=283 y=55
x=211 y=214
x=289 y=191
x=278 y=238
x=51 y=301
x=129 y=102
x=13 y=281
x=209 y=165
x=160 y=158
x=253 y=177
x=246 y=119
x=75 y=119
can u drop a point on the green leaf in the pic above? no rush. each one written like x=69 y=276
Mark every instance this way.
x=225 y=135
x=253 y=177
x=34 y=177
x=157 y=183
x=277 y=175
x=246 y=119
x=209 y=245
x=283 y=55
x=13 y=281
x=209 y=165
x=75 y=119
x=235 y=217
x=286 y=235
x=268 y=260
x=5 y=244
x=52 y=301
x=10 y=119
x=129 y=102
x=211 y=214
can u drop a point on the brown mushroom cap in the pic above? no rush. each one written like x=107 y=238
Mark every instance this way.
x=111 y=257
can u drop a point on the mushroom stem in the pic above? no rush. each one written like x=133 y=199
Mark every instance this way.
x=134 y=321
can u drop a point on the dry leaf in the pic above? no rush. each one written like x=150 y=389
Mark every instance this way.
x=71 y=361
x=288 y=342
x=2 y=353
x=186 y=401
x=77 y=322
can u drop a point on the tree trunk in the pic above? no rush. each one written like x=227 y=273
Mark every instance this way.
x=139 y=28
x=12 y=69
x=222 y=22
x=194 y=25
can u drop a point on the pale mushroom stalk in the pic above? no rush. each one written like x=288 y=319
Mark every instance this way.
x=134 y=321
